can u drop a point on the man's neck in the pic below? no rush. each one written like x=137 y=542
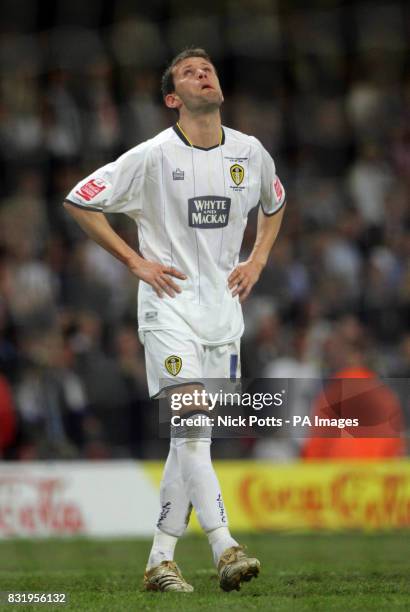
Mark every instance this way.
x=202 y=130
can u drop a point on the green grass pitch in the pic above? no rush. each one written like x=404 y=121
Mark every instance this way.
x=299 y=572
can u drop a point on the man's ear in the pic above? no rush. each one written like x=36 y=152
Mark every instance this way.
x=172 y=100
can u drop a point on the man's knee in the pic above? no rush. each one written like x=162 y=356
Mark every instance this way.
x=188 y=398
x=191 y=423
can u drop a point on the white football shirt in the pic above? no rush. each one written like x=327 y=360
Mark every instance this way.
x=191 y=207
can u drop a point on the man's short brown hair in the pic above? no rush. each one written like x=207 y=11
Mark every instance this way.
x=167 y=81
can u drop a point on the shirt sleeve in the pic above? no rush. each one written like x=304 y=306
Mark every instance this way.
x=273 y=196
x=116 y=187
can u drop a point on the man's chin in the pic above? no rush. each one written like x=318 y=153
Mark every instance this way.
x=205 y=104
x=211 y=102
x=212 y=94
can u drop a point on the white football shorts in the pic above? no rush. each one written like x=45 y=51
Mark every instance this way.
x=173 y=359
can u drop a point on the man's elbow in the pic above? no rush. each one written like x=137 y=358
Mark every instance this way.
x=67 y=205
x=72 y=209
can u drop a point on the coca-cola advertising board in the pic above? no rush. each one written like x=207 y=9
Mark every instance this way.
x=76 y=498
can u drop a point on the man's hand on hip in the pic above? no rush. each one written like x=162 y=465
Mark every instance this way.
x=157 y=275
x=243 y=277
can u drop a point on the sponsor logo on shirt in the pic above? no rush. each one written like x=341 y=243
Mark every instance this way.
x=178 y=175
x=173 y=364
x=208 y=211
x=91 y=189
x=237 y=174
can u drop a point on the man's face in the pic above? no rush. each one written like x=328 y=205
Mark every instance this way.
x=196 y=86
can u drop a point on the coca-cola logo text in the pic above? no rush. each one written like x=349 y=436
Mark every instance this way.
x=35 y=505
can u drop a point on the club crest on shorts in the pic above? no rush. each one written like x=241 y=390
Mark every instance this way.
x=173 y=364
x=237 y=173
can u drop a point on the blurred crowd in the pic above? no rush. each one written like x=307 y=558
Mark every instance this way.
x=326 y=90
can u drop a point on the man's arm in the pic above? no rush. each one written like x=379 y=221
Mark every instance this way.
x=246 y=274
x=98 y=229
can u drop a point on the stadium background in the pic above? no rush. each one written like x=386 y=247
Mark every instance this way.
x=326 y=88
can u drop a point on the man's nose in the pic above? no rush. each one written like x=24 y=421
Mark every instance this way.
x=201 y=73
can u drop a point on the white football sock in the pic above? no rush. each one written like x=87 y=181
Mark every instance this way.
x=162 y=549
x=174 y=514
x=202 y=486
x=175 y=505
x=220 y=539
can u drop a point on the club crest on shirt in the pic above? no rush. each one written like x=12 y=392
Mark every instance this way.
x=237 y=174
x=173 y=364
x=208 y=212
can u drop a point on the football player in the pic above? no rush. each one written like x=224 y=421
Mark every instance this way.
x=189 y=190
